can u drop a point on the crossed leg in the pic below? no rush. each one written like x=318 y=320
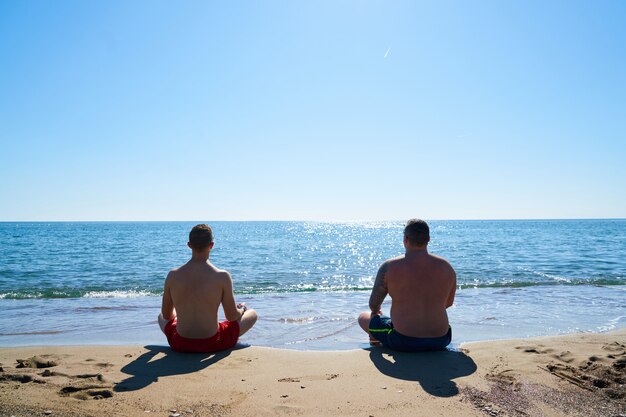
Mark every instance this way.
x=247 y=320
x=364 y=321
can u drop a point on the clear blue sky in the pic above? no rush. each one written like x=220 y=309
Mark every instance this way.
x=322 y=110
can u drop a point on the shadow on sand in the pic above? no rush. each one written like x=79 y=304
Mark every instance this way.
x=434 y=371
x=145 y=369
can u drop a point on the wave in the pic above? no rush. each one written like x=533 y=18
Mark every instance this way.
x=308 y=288
x=44 y=332
x=51 y=294
x=120 y=294
x=600 y=282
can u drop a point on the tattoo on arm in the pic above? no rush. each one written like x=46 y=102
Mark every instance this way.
x=379 y=291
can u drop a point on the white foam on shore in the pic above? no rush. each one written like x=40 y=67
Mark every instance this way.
x=117 y=294
x=16 y=295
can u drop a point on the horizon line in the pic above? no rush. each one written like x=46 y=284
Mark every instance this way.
x=314 y=220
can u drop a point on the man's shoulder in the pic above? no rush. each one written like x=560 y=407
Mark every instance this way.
x=441 y=261
x=176 y=270
x=173 y=272
x=394 y=260
x=439 y=258
x=222 y=274
x=216 y=275
x=391 y=262
x=218 y=271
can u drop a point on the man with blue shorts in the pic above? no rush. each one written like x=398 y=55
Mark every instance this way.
x=421 y=287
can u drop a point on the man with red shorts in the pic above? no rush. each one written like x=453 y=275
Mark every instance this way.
x=191 y=299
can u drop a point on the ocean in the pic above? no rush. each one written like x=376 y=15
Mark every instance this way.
x=101 y=282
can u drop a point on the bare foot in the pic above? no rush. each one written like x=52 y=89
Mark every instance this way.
x=375 y=342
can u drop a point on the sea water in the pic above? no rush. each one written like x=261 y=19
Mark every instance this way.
x=101 y=283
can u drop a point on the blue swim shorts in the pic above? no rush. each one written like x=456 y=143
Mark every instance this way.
x=382 y=329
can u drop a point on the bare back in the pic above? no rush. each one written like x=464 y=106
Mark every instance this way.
x=422 y=287
x=196 y=290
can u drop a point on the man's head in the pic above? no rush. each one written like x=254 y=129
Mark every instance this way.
x=200 y=237
x=417 y=233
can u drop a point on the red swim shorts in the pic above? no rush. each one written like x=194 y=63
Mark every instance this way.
x=225 y=338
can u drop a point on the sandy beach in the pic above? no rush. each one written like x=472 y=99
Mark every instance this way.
x=571 y=375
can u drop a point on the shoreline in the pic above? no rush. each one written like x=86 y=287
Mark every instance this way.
x=318 y=321
x=575 y=375
x=453 y=346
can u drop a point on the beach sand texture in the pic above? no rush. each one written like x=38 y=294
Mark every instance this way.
x=571 y=375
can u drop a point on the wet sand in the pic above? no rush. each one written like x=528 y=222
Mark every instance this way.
x=572 y=375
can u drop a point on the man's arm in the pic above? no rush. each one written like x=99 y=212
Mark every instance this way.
x=231 y=311
x=379 y=291
x=450 y=300
x=167 y=305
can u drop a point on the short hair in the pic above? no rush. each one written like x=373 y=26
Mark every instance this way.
x=200 y=237
x=417 y=232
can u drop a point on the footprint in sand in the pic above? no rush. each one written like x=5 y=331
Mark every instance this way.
x=620 y=364
x=615 y=347
x=104 y=365
x=539 y=349
x=595 y=358
x=504 y=377
x=98 y=395
x=86 y=392
x=21 y=378
x=98 y=377
x=565 y=356
x=35 y=362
